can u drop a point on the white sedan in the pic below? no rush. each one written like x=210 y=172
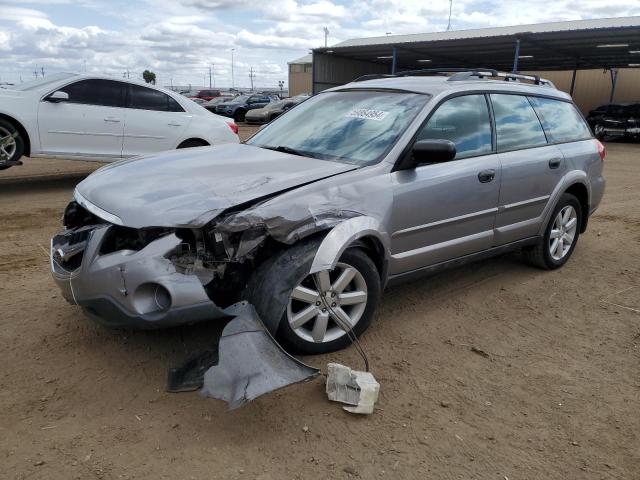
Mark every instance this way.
x=89 y=117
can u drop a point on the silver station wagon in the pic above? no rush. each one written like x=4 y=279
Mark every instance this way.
x=381 y=180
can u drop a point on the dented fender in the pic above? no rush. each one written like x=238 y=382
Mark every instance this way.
x=343 y=235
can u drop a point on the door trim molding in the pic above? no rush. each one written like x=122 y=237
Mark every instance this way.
x=445 y=221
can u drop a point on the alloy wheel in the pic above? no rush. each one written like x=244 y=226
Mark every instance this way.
x=7 y=144
x=563 y=232
x=343 y=290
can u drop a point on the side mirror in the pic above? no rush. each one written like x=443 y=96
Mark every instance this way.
x=58 y=96
x=433 y=151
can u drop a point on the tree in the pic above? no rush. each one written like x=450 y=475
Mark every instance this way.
x=149 y=76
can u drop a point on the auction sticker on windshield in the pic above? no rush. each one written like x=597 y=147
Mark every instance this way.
x=367 y=114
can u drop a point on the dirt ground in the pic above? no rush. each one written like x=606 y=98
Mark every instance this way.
x=492 y=371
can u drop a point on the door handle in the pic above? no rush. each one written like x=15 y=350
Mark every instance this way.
x=173 y=124
x=112 y=119
x=485 y=176
x=555 y=163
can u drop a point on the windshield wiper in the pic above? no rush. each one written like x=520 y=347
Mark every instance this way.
x=292 y=151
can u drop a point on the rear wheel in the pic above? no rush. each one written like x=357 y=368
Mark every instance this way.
x=561 y=235
x=239 y=114
x=11 y=144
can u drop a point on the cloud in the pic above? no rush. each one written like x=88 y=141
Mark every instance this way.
x=181 y=39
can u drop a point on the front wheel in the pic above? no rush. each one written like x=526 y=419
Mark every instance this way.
x=561 y=235
x=314 y=310
x=11 y=145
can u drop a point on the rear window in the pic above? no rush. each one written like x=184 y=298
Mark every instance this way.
x=517 y=125
x=561 y=120
x=143 y=98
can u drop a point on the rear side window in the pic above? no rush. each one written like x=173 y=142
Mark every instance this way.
x=561 y=120
x=143 y=98
x=105 y=93
x=464 y=121
x=517 y=125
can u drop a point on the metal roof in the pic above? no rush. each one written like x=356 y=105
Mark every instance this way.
x=545 y=46
x=301 y=60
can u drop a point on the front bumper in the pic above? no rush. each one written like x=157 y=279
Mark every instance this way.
x=132 y=289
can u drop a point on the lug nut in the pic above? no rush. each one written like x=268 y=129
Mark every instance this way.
x=333 y=304
x=317 y=304
x=333 y=294
x=324 y=310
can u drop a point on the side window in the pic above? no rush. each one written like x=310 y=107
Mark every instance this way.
x=464 y=121
x=517 y=125
x=106 y=93
x=143 y=98
x=561 y=120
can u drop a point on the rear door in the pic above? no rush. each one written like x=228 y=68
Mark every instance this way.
x=89 y=124
x=153 y=121
x=442 y=211
x=531 y=167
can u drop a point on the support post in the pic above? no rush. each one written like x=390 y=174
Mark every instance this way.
x=614 y=80
x=394 y=60
x=515 y=57
x=313 y=73
x=573 y=82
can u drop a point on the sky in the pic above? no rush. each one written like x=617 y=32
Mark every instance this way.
x=180 y=40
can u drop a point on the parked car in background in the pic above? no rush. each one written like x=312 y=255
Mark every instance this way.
x=270 y=111
x=212 y=104
x=362 y=186
x=240 y=105
x=616 y=120
x=207 y=95
x=92 y=117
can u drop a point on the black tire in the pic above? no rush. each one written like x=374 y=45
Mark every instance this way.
x=540 y=255
x=193 y=142
x=7 y=128
x=272 y=283
x=238 y=115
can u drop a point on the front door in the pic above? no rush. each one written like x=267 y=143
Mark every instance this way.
x=89 y=124
x=447 y=210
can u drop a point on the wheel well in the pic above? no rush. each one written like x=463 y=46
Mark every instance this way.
x=200 y=141
x=21 y=130
x=579 y=191
x=375 y=250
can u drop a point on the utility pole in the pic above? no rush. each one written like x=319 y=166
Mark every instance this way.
x=213 y=74
x=35 y=72
x=209 y=77
x=42 y=71
x=232 y=79
x=280 y=84
x=251 y=77
x=326 y=34
x=450 y=7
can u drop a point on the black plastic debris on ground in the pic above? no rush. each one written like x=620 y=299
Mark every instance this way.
x=247 y=363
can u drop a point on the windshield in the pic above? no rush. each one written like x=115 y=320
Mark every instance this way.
x=355 y=127
x=275 y=105
x=42 y=82
x=240 y=98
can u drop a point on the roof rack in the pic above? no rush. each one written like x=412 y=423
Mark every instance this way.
x=462 y=74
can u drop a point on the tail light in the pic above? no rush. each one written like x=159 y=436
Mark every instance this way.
x=601 y=151
x=233 y=127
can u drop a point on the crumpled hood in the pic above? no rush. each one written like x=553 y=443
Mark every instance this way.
x=190 y=187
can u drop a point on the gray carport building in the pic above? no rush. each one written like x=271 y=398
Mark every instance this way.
x=608 y=48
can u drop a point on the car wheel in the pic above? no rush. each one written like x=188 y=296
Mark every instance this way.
x=193 y=142
x=11 y=144
x=560 y=237
x=306 y=324
x=239 y=114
